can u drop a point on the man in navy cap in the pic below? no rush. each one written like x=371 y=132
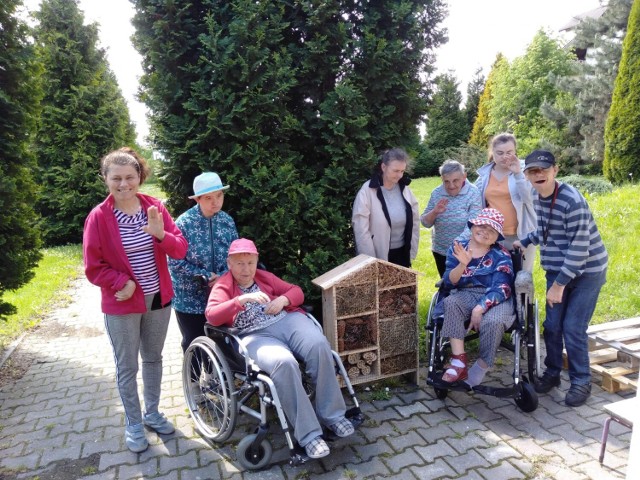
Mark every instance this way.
x=575 y=261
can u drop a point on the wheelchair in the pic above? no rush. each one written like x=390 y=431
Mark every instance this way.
x=228 y=383
x=524 y=342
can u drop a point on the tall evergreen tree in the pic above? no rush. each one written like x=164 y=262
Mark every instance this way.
x=446 y=122
x=290 y=102
x=19 y=98
x=583 y=119
x=480 y=133
x=84 y=115
x=622 y=149
x=475 y=88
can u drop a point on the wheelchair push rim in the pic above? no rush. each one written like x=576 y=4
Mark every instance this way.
x=209 y=390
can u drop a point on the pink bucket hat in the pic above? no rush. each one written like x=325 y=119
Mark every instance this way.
x=491 y=217
x=242 y=245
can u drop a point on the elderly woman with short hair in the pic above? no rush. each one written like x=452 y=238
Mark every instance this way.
x=275 y=331
x=450 y=206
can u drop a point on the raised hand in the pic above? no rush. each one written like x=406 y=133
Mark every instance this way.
x=463 y=255
x=155 y=224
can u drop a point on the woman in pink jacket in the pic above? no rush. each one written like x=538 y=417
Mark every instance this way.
x=275 y=331
x=126 y=242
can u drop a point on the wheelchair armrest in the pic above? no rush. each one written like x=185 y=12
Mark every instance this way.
x=213 y=330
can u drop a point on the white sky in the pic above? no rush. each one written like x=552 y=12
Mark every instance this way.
x=478 y=30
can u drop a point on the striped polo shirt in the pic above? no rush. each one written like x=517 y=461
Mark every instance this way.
x=138 y=246
x=574 y=246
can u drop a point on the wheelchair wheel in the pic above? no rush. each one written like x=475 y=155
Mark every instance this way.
x=527 y=398
x=209 y=390
x=256 y=460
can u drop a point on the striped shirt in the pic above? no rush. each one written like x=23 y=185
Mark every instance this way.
x=573 y=245
x=138 y=246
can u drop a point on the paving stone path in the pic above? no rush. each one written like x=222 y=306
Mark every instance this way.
x=63 y=420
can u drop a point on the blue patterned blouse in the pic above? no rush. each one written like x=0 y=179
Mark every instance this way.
x=209 y=240
x=494 y=272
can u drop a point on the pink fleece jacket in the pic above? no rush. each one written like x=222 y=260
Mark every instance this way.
x=223 y=305
x=107 y=266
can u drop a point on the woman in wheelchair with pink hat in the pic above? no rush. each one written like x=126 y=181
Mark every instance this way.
x=276 y=332
x=481 y=272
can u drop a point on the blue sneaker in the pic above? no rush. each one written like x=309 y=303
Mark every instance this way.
x=135 y=438
x=158 y=422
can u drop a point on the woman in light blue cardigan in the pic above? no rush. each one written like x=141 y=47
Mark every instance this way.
x=515 y=199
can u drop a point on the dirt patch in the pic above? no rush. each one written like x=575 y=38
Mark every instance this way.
x=66 y=469
x=20 y=360
x=16 y=366
x=60 y=330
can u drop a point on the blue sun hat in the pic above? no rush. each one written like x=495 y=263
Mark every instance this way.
x=207 y=182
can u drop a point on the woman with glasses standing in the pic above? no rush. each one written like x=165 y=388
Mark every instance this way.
x=503 y=186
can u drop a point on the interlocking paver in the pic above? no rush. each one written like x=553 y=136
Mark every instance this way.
x=66 y=409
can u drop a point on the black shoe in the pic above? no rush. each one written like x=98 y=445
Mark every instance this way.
x=577 y=395
x=546 y=382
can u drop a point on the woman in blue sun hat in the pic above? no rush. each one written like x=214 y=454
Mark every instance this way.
x=209 y=232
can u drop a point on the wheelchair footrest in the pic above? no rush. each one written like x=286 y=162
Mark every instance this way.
x=437 y=382
x=355 y=416
x=495 y=392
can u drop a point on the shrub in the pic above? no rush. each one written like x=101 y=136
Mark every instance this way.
x=588 y=185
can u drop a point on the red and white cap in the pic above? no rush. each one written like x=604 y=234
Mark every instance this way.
x=491 y=217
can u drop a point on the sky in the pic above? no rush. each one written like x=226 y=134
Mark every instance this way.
x=478 y=30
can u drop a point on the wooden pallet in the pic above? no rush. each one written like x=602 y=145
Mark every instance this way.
x=614 y=353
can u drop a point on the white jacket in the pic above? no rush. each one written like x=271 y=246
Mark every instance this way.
x=370 y=226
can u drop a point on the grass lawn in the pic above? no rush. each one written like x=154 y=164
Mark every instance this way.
x=45 y=292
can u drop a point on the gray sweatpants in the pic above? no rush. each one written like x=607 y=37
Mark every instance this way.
x=457 y=310
x=275 y=349
x=132 y=334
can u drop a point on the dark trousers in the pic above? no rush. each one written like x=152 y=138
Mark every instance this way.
x=400 y=256
x=191 y=326
x=441 y=262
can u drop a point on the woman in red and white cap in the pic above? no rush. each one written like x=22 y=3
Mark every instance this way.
x=481 y=271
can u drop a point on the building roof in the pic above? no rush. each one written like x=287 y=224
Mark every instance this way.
x=345 y=271
x=576 y=19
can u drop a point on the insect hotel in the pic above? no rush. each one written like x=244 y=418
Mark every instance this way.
x=370 y=316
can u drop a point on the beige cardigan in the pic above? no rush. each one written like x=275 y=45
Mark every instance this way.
x=370 y=226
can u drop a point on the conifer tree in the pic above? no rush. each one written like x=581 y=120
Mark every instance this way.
x=83 y=117
x=290 y=102
x=480 y=133
x=446 y=123
x=19 y=96
x=475 y=88
x=622 y=150
x=583 y=113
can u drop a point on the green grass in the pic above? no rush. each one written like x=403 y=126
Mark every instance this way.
x=619 y=224
x=154 y=190
x=58 y=267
